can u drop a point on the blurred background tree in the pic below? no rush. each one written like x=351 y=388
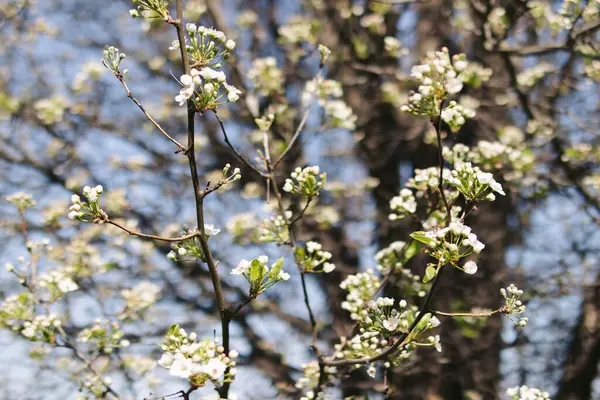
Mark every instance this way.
x=66 y=122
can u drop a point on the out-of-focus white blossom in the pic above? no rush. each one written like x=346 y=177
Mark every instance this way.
x=259 y=276
x=313 y=258
x=306 y=181
x=527 y=393
x=197 y=361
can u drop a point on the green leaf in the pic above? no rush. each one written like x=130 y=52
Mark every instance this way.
x=173 y=330
x=111 y=265
x=430 y=273
x=411 y=250
x=300 y=254
x=256 y=271
x=276 y=269
x=421 y=236
x=423 y=323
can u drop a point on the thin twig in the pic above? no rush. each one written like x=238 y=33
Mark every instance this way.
x=301 y=214
x=401 y=341
x=311 y=315
x=437 y=124
x=302 y=121
x=224 y=312
x=153 y=237
x=68 y=341
x=237 y=153
x=25 y=234
x=121 y=79
x=477 y=315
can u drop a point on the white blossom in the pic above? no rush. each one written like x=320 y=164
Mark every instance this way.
x=242 y=267
x=470 y=267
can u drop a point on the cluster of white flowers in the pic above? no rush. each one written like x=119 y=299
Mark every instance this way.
x=264 y=123
x=42 y=328
x=81 y=260
x=514 y=306
x=298 y=29
x=258 y=274
x=474 y=184
x=374 y=22
x=325 y=52
x=306 y=181
x=426 y=179
x=392 y=93
x=139 y=298
x=381 y=316
x=228 y=178
x=314 y=259
x=448 y=245
x=530 y=76
x=542 y=128
x=475 y=74
x=58 y=282
x=381 y=322
x=89 y=211
x=489 y=151
x=203 y=88
x=456 y=115
x=457 y=154
x=323 y=89
x=497 y=23
x=340 y=115
x=89 y=73
x=582 y=152
x=510 y=154
x=17 y=309
x=515 y=159
x=199 y=362
x=36 y=248
x=403 y=205
x=329 y=92
x=423 y=189
x=527 y=393
x=438 y=77
x=365 y=344
x=190 y=249
x=95 y=385
x=545 y=17
x=149 y=9
x=21 y=200
x=325 y=215
x=393 y=47
x=360 y=287
x=437 y=218
x=266 y=77
x=241 y=226
x=275 y=229
x=311 y=374
x=104 y=336
x=112 y=59
x=591 y=10
x=391 y=258
x=207 y=46
x=51 y=110
x=310 y=395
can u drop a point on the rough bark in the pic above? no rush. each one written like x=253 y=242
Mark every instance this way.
x=580 y=367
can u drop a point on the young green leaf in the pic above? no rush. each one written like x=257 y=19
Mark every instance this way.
x=429 y=274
